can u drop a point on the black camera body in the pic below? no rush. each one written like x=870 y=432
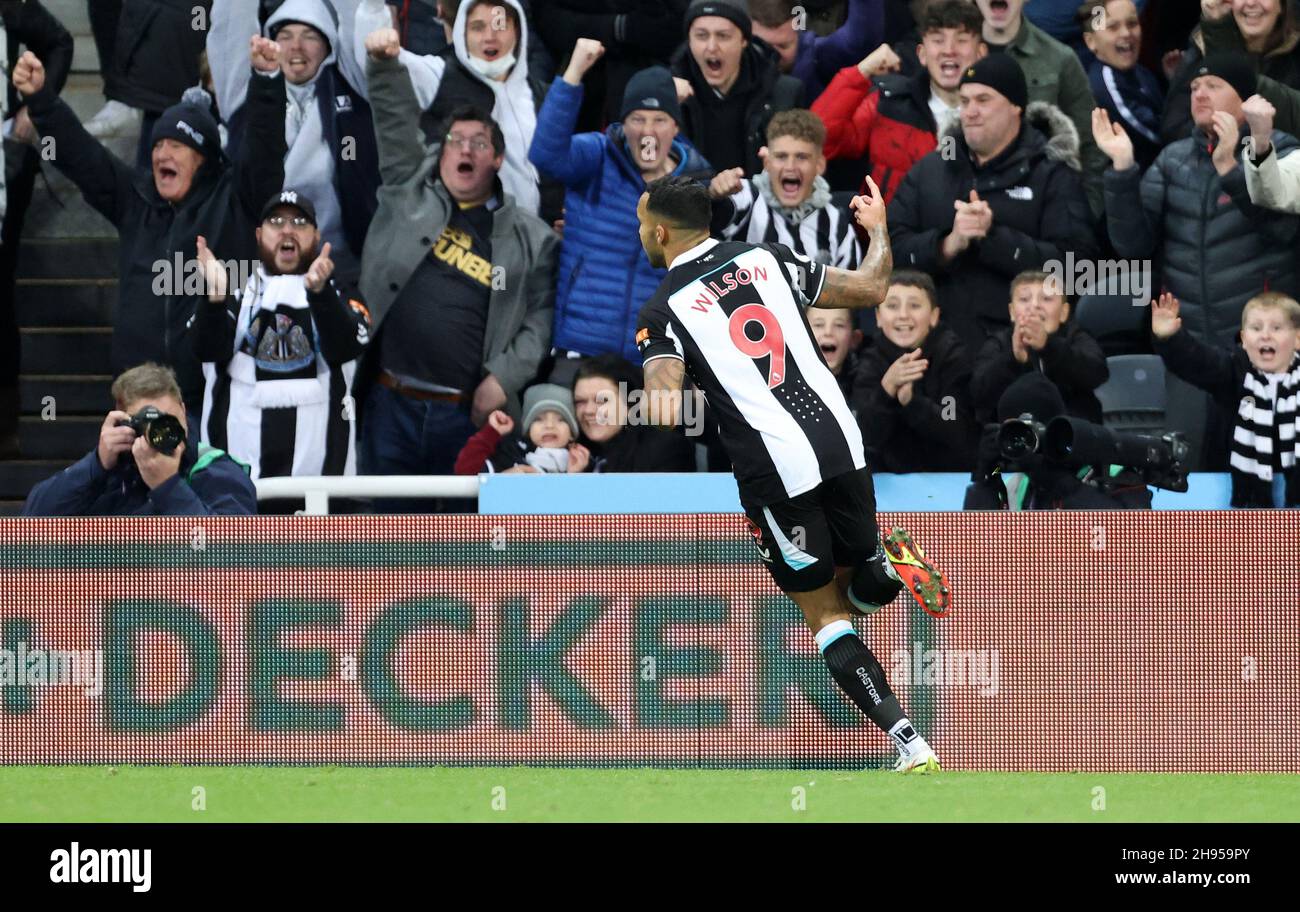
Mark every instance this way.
x=162 y=431
x=1074 y=443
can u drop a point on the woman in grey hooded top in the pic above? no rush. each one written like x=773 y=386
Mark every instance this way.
x=488 y=69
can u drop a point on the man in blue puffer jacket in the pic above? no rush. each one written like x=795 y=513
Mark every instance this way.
x=604 y=275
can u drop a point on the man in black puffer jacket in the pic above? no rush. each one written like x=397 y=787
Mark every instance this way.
x=191 y=190
x=736 y=86
x=1192 y=210
x=1001 y=194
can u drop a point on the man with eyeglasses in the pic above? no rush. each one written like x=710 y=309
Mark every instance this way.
x=460 y=282
x=280 y=355
x=487 y=66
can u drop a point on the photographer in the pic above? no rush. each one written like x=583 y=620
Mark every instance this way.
x=144 y=464
x=1032 y=481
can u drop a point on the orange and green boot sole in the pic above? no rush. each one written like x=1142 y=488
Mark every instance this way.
x=923 y=579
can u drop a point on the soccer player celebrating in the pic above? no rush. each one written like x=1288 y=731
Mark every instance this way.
x=731 y=315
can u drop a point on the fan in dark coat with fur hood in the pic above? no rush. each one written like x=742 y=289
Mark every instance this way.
x=1001 y=194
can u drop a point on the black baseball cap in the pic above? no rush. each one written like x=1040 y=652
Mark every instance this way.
x=289 y=198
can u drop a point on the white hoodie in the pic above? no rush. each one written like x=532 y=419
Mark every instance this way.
x=309 y=161
x=233 y=22
x=512 y=108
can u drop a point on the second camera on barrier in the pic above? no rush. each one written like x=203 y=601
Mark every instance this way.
x=162 y=431
x=1161 y=461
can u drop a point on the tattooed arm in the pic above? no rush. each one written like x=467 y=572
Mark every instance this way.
x=865 y=286
x=663 y=391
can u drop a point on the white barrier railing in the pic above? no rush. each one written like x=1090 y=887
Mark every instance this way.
x=317 y=491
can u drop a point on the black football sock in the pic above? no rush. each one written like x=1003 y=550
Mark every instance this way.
x=859 y=675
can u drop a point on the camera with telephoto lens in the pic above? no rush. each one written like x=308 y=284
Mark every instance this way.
x=1018 y=437
x=163 y=431
x=1075 y=443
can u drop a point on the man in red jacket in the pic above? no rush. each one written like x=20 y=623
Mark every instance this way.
x=894 y=119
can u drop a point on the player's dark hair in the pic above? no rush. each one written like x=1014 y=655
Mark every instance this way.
x=476 y=114
x=954 y=14
x=681 y=201
x=914 y=278
x=608 y=367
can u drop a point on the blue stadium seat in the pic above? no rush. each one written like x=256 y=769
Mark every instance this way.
x=1133 y=399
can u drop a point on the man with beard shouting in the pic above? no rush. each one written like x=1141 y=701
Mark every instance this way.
x=279 y=361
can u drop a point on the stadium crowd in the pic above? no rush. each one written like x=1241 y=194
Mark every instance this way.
x=437 y=206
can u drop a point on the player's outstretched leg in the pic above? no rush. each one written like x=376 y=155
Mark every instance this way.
x=855 y=668
x=882 y=566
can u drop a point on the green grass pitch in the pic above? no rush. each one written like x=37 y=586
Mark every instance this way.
x=320 y=794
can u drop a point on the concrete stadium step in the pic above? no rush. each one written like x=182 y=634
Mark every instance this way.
x=63 y=213
x=67 y=439
x=67 y=258
x=20 y=475
x=67 y=268
x=83 y=349
x=76 y=19
x=66 y=302
x=72 y=394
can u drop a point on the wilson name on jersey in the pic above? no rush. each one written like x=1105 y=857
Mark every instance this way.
x=734 y=313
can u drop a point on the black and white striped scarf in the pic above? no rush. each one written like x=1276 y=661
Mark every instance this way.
x=278 y=405
x=818 y=230
x=1264 y=440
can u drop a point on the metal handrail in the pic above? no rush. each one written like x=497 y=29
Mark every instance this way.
x=316 y=491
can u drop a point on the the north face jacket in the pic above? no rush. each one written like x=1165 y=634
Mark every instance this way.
x=1039 y=213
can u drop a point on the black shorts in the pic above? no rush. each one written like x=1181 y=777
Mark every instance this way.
x=802 y=540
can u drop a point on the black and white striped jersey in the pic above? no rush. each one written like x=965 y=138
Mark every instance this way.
x=734 y=313
x=824 y=234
